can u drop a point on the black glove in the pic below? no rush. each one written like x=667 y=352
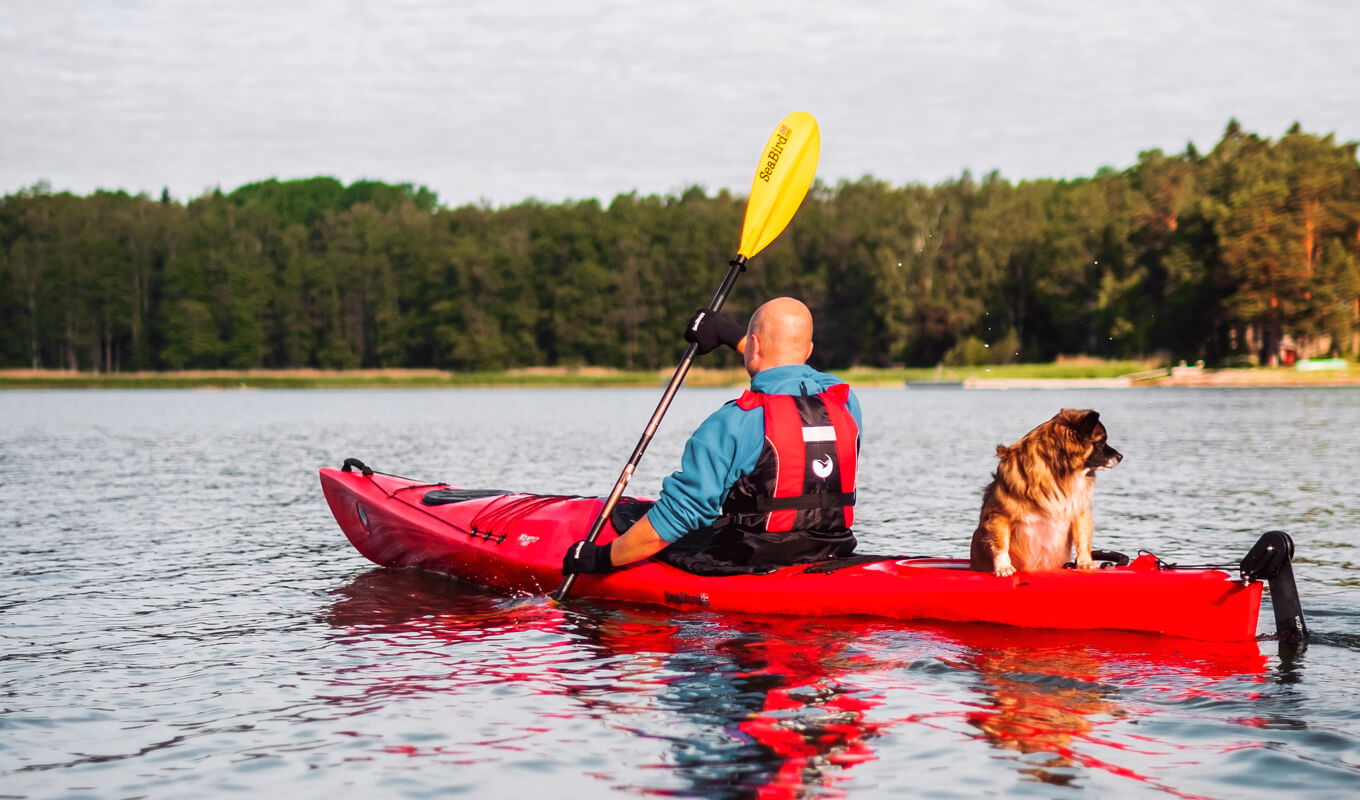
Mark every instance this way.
x=587 y=557
x=708 y=329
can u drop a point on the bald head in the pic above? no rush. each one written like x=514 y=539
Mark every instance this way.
x=780 y=334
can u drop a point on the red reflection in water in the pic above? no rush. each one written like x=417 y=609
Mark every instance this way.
x=795 y=689
x=810 y=721
x=812 y=750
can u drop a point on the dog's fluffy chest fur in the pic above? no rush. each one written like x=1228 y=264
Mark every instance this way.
x=1042 y=538
x=1073 y=496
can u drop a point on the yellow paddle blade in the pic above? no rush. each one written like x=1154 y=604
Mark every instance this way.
x=783 y=176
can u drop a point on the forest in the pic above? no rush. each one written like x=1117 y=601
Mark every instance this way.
x=1246 y=254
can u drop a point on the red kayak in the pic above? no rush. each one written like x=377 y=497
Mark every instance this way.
x=515 y=542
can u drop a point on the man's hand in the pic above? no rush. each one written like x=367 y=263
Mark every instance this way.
x=709 y=329
x=586 y=556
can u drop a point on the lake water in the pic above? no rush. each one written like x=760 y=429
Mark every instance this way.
x=180 y=616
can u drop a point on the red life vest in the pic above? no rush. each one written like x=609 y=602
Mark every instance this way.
x=804 y=479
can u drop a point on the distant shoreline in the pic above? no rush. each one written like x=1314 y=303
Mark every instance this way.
x=1070 y=374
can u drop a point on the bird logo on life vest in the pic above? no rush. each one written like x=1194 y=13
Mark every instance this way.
x=822 y=467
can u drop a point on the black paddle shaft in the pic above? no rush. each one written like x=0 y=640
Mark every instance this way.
x=735 y=267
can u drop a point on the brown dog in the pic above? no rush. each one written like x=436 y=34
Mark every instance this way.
x=1037 y=509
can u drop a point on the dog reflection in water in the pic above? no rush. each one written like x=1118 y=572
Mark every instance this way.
x=1042 y=703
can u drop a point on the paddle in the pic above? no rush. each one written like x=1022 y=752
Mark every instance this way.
x=782 y=178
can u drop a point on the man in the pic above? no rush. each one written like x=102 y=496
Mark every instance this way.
x=769 y=476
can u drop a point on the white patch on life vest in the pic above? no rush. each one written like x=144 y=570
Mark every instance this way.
x=525 y=540
x=819 y=433
x=821 y=467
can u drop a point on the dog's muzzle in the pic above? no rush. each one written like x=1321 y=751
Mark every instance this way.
x=1104 y=458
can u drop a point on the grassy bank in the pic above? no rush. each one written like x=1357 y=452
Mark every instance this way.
x=1065 y=370
x=353 y=379
x=531 y=377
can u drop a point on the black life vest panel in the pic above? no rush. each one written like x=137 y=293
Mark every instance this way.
x=797 y=505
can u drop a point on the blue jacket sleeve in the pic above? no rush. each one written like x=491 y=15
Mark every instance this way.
x=721 y=450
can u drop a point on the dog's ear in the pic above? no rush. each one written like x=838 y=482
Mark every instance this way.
x=1082 y=421
x=1002 y=451
x=1085 y=423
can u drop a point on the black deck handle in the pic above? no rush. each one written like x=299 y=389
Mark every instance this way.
x=354 y=462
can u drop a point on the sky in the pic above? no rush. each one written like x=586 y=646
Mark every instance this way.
x=500 y=101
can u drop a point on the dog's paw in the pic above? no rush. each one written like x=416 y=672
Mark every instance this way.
x=1002 y=567
x=1085 y=563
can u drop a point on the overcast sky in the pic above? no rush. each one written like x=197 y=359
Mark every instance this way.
x=503 y=100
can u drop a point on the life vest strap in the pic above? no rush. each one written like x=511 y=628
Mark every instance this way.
x=764 y=505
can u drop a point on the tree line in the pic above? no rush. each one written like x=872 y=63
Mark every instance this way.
x=1228 y=256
